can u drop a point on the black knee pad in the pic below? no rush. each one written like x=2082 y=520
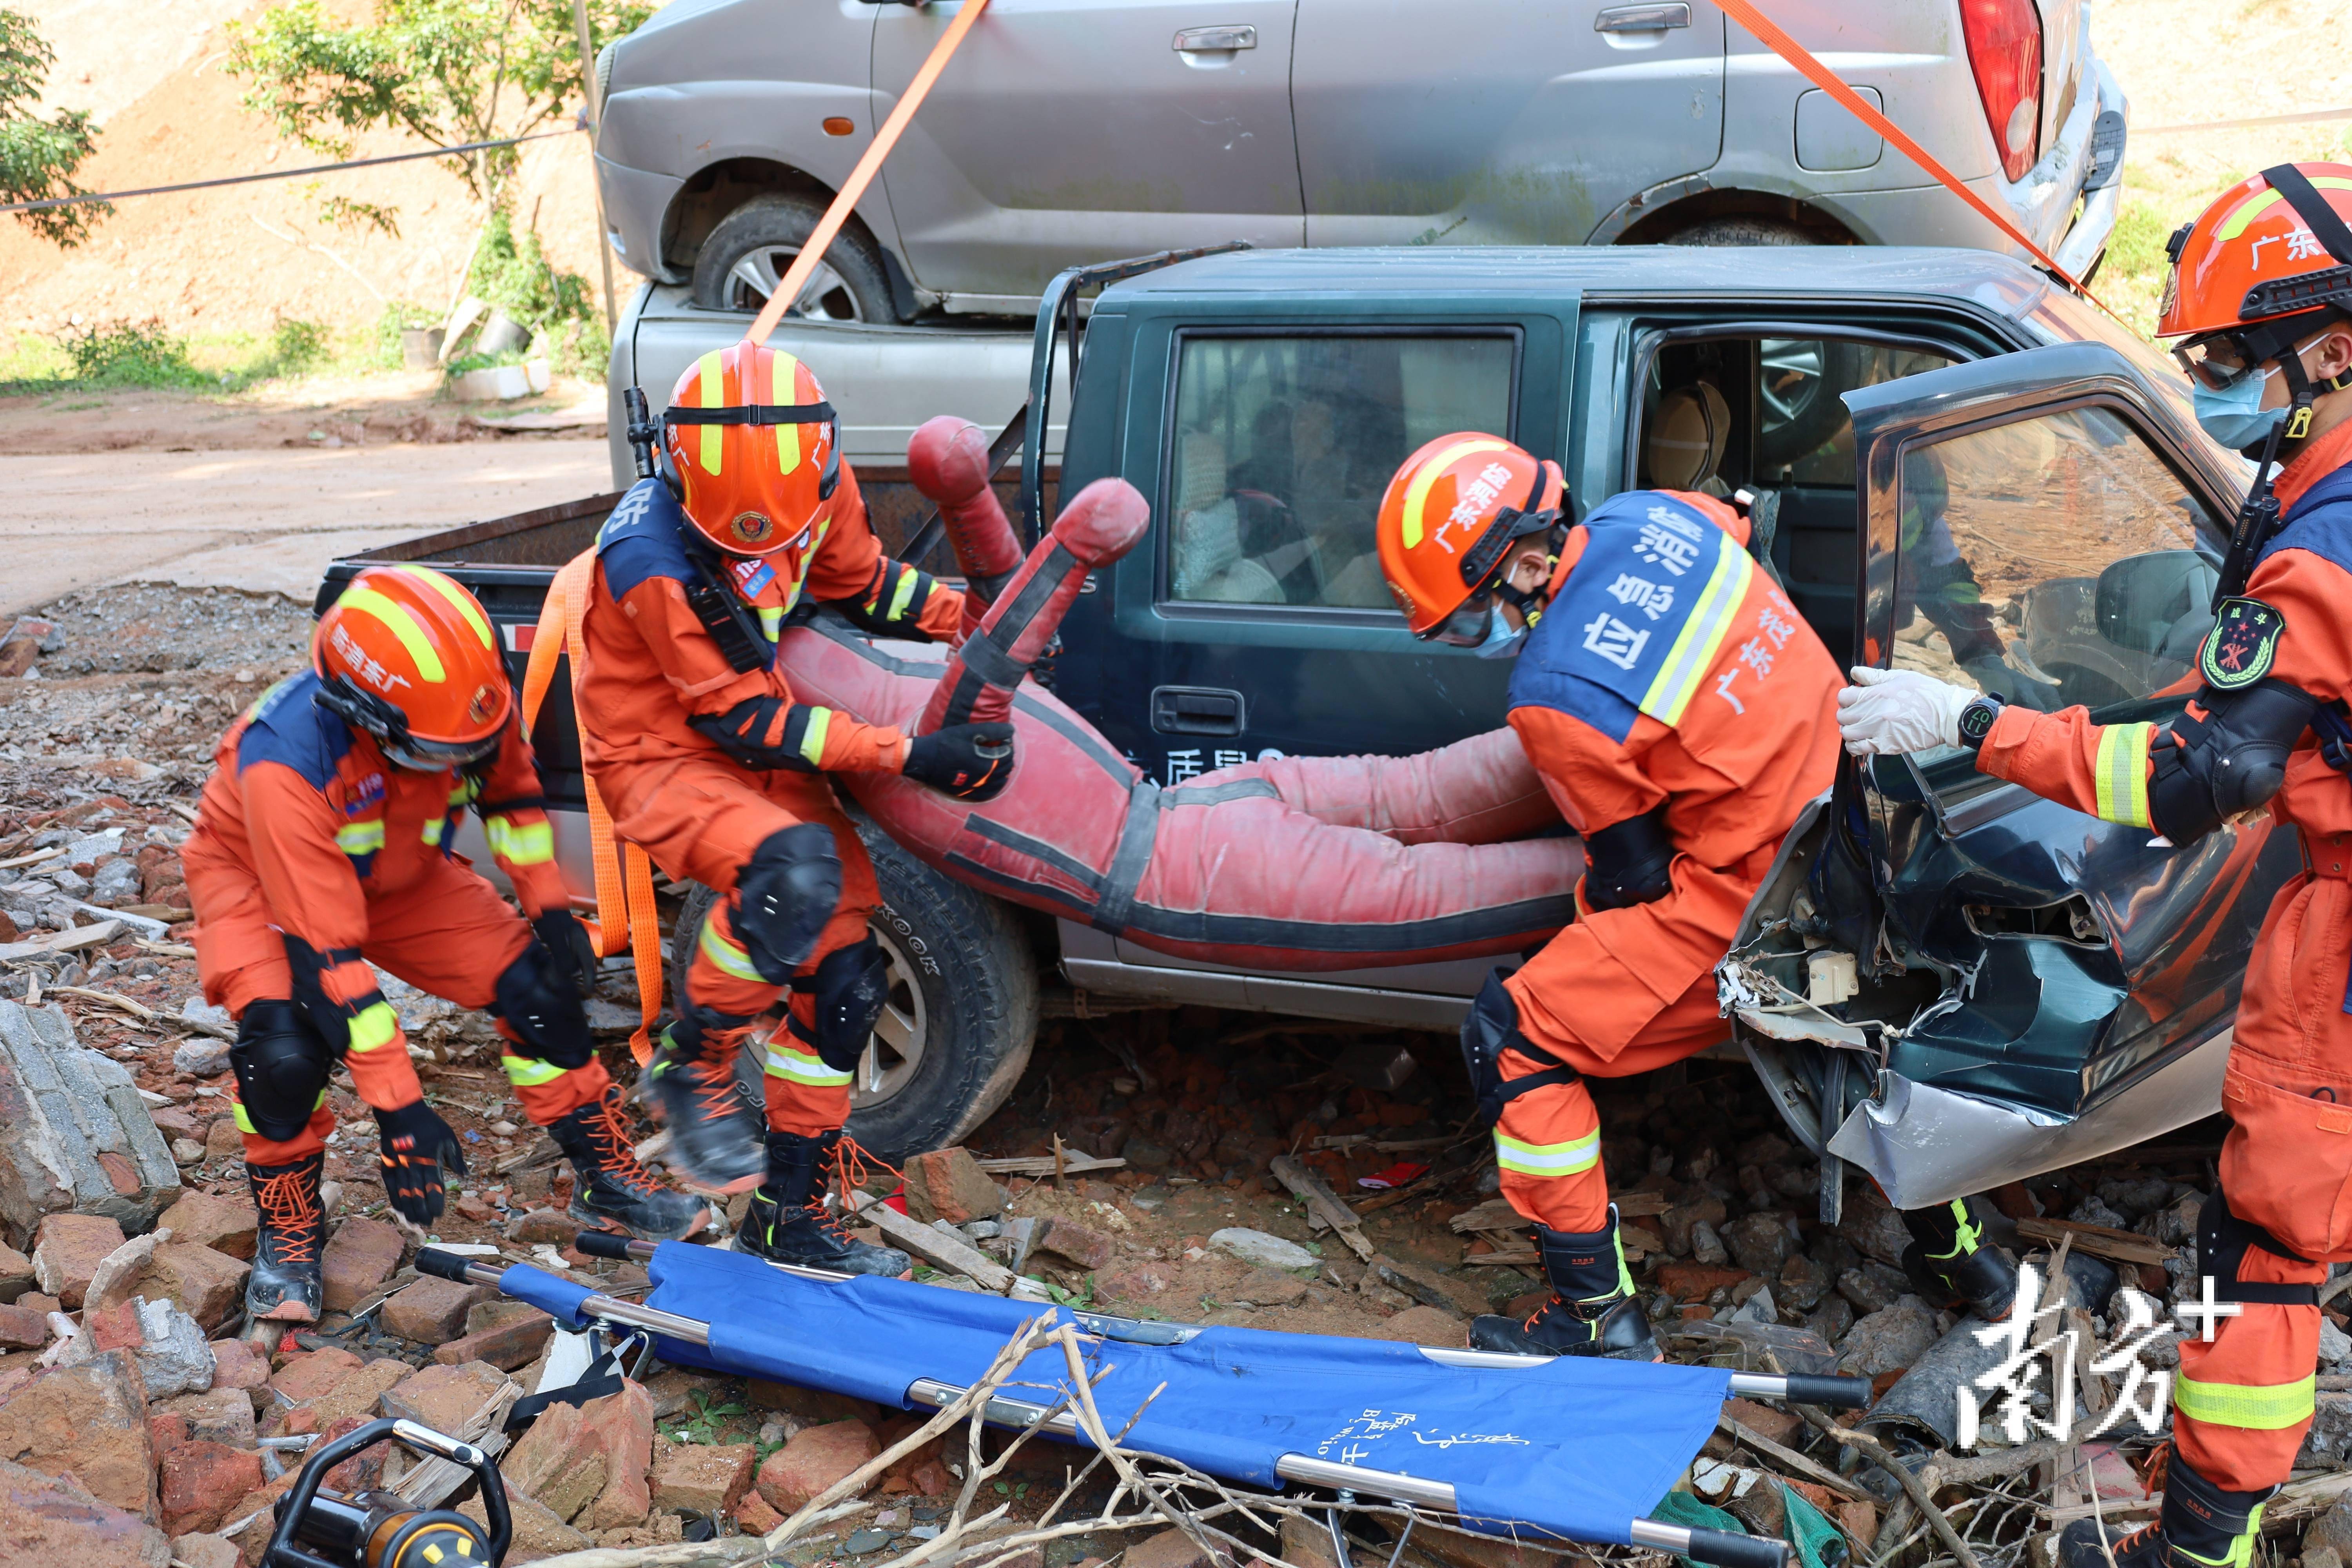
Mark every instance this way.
x=2222 y=1242
x=785 y=895
x=851 y=985
x=1492 y=1028
x=541 y=1005
x=280 y=1065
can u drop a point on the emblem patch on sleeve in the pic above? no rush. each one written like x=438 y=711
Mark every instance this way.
x=2242 y=645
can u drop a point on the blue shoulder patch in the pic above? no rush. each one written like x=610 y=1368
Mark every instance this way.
x=643 y=539
x=1641 y=618
x=289 y=727
x=2321 y=522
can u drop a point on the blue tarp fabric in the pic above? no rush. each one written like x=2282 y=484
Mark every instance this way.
x=557 y=1297
x=1573 y=1448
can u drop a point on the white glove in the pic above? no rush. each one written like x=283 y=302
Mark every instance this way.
x=1890 y=711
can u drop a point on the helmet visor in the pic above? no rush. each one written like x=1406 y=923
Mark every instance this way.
x=2216 y=362
x=1468 y=625
x=433 y=756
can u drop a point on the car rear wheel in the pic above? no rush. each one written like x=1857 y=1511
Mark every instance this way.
x=752 y=248
x=956 y=1031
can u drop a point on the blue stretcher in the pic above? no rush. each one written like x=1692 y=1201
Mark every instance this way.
x=1572 y=1447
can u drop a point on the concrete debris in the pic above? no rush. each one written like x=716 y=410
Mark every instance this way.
x=173 y=1356
x=74 y=1134
x=1261 y=1250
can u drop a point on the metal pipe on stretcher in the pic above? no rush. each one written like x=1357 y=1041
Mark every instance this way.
x=1722 y=1548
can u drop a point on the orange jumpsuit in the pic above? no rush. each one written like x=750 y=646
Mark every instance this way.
x=305 y=832
x=1668 y=669
x=2243 y=1402
x=651 y=666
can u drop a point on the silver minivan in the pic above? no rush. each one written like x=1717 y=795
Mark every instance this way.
x=1074 y=131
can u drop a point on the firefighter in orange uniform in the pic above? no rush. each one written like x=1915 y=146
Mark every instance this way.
x=2261 y=297
x=322 y=845
x=710 y=764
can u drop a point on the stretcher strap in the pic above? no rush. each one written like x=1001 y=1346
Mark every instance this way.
x=626 y=913
x=1770 y=34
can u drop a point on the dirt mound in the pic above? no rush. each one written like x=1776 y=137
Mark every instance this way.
x=241 y=257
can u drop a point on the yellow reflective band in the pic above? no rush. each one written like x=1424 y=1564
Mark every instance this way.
x=2235 y=224
x=459 y=600
x=2121 y=775
x=519 y=843
x=2253 y=1407
x=772 y=622
x=1702 y=635
x=802 y=1066
x=244 y=1122
x=524 y=1072
x=1416 y=494
x=1566 y=1158
x=433 y=826
x=734 y=960
x=360 y=837
x=906 y=592
x=395 y=615
x=780 y=390
x=820 y=721
x=711 y=380
x=376 y=1026
x=465 y=791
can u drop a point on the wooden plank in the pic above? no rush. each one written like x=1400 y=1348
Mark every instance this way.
x=1073 y=1164
x=940 y=1249
x=432 y=1482
x=2099 y=1240
x=1322 y=1204
x=71 y=941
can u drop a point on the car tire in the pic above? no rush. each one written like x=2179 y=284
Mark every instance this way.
x=1808 y=413
x=1738 y=228
x=747 y=254
x=962 y=1014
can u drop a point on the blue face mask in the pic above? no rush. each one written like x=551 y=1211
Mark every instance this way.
x=1501 y=641
x=2235 y=417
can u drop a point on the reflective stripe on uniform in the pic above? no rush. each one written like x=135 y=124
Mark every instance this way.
x=820 y=721
x=1967 y=1235
x=2122 y=773
x=528 y=1072
x=519 y=843
x=433 y=826
x=2253 y=1407
x=906 y=592
x=772 y=622
x=710 y=381
x=1702 y=635
x=1578 y=1154
x=244 y=1122
x=402 y=623
x=1416 y=494
x=734 y=960
x=789 y=1059
x=375 y=1026
x=360 y=837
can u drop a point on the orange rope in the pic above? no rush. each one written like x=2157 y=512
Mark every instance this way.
x=853 y=189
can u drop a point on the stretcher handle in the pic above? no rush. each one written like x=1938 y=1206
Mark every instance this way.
x=1723 y=1548
x=1835 y=1392
x=444 y=1265
x=610 y=1245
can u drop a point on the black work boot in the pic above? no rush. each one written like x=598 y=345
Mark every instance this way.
x=284 y=1285
x=613 y=1188
x=1954 y=1265
x=1592 y=1309
x=714 y=1130
x=2200 y=1526
x=788 y=1221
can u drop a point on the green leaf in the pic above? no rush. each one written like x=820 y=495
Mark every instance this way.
x=1003 y=1490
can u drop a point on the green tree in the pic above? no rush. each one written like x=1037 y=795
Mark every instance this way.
x=37 y=156
x=448 y=71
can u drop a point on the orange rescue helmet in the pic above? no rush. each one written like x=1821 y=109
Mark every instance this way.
x=755 y=447
x=408 y=656
x=1447 y=523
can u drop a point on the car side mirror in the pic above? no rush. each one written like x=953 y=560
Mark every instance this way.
x=2142 y=600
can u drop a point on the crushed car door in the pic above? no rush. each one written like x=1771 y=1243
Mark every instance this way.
x=2043 y=525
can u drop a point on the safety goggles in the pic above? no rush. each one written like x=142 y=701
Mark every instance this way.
x=2220 y=361
x=434 y=756
x=1468 y=625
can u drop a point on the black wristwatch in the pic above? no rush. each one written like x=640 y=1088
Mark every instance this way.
x=1977 y=718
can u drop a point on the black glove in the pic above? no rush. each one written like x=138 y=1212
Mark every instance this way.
x=969 y=761
x=416 y=1144
x=561 y=932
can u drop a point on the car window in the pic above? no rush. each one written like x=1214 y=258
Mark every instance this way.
x=2054 y=561
x=1283 y=446
x=2059 y=317
x=1764 y=415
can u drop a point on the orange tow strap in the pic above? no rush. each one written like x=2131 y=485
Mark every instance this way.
x=1769 y=32
x=625 y=881
x=853 y=189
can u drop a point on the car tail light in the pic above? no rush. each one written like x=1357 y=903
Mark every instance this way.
x=2004 y=40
